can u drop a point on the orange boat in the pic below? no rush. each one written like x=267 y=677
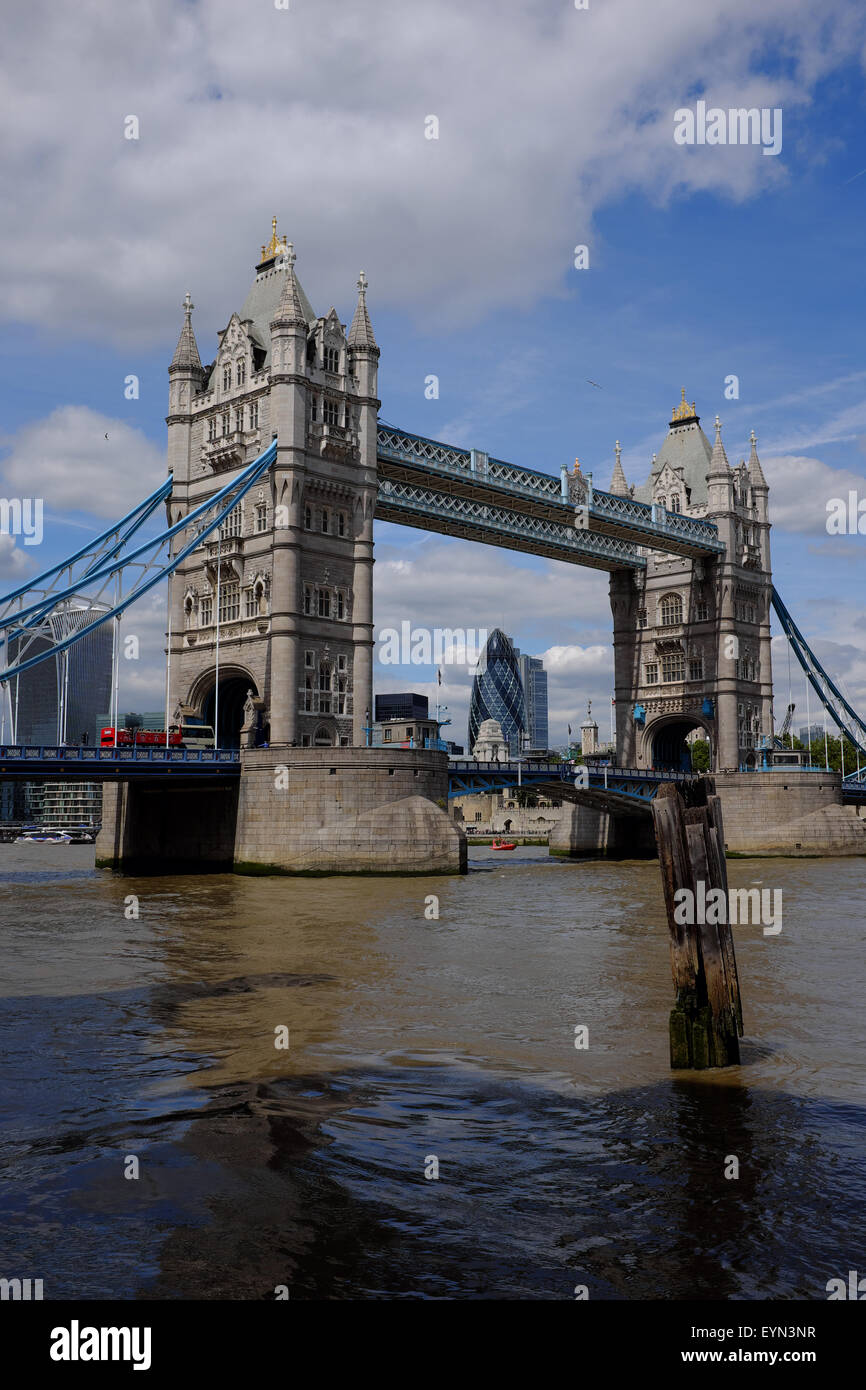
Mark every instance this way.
x=503 y=844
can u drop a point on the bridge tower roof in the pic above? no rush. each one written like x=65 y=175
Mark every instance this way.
x=686 y=450
x=186 y=356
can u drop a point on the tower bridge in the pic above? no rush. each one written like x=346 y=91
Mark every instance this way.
x=278 y=466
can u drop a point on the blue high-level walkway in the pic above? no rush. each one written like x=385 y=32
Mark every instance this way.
x=463 y=492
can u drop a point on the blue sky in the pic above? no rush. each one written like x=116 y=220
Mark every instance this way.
x=556 y=129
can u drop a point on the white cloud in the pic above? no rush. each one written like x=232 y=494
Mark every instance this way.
x=801 y=487
x=15 y=563
x=317 y=113
x=66 y=460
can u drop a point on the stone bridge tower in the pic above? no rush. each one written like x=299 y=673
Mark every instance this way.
x=295 y=588
x=692 y=637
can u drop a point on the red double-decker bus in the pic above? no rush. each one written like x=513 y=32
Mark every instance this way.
x=179 y=736
x=141 y=738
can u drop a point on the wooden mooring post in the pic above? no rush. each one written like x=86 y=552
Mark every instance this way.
x=707 y=1018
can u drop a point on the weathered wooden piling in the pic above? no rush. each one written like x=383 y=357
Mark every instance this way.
x=707 y=1017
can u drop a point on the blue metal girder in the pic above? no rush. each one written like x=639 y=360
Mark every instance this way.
x=832 y=699
x=424 y=507
x=84 y=764
x=202 y=520
x=410 y=458
x=466 y=777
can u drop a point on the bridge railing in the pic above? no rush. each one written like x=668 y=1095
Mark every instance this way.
x=25 y=752
x=566 y=771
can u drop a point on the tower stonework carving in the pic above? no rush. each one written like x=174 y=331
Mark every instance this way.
x=282 y=602
x=692 y=637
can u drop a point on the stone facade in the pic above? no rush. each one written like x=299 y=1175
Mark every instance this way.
x=692 y=637
x=295 y=557
x=790 y=813
x=360 y=810
x=328 y=811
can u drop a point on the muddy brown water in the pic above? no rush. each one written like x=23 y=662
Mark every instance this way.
x=414 y=1043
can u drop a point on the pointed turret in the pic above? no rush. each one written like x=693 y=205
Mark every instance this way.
x=755 y=469
x=290 y=309
x=618 y=484
x=361 y=331
x=186 y=358
x=719 y=466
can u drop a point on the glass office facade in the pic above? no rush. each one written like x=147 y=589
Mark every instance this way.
x=497 y=692
x=534 y=678
x=66 y=694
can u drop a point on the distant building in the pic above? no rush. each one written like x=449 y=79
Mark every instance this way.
x=405 y=733
x=490 y=745
x=497 y=692
x=67 y=804
x=61 y=699
x=22 y=802
x=809 y=733
x=533 y=678
x=589 y=734
x=403 y=705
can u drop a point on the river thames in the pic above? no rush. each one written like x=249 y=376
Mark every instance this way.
x=150 y=1043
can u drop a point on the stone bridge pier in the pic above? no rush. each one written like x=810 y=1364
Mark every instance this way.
x=291 y=811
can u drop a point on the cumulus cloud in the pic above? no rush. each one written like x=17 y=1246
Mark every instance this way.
x=15 y=563
x=67 y=460
x=801 y=487
x=441 y=583
x=318 y=113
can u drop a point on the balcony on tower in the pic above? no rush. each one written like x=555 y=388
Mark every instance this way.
x=332 y=441
x=230 y=450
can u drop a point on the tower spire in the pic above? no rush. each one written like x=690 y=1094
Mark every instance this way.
x=361 y=331
x=719 y=461
x=290 y=309
x=186 y=357
x=618 y=483
x=755 y=469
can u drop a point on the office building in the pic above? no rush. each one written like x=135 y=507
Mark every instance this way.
x=497 y=692
x=534 y=680
x=61 y=700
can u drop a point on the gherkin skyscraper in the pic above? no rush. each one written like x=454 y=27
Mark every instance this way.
x=497 y=692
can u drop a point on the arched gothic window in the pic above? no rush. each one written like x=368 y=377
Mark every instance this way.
x=324 y=688
x=670 y=610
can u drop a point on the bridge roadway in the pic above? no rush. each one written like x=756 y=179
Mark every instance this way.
x=34 y=763
x=629 y=790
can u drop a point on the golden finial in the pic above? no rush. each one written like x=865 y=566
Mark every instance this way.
x=276 y=246
x=683 y=411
